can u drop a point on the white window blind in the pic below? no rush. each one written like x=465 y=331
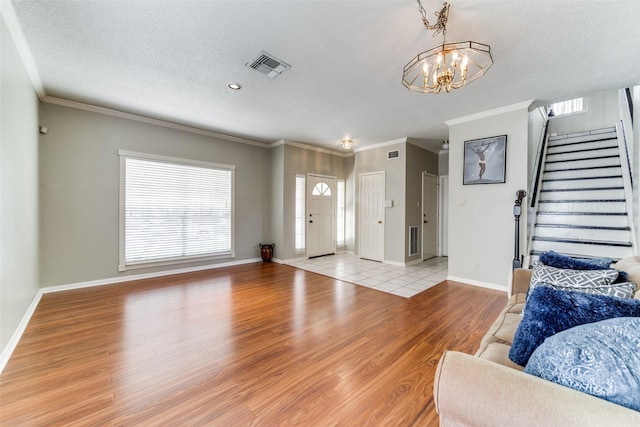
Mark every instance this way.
x=299 y=214
x=175 y=210
x=340 y=220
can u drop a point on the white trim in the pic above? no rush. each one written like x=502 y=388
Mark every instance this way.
x=17 y=334
x=309 y=147
x=149 y=120
x=395 y=263
x=15 y=29
x=489 y=113
x=130 y=278
x=382 y=144
x=173 y=160
x=478 y=283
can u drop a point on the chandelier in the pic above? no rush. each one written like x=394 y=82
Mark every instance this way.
x=447 y=66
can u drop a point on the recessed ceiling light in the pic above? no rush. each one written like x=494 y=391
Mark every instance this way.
x=234 y=86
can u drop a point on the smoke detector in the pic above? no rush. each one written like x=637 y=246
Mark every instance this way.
x=269 y=65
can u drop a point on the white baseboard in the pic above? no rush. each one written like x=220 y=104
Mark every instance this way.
x=478 y=283
x=122 y=279
x=17 y=335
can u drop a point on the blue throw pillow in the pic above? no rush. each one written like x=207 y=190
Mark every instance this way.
x=601 y=359
x=554 y=259
x=549 y=311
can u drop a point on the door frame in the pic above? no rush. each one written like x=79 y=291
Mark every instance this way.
x=384 y=223
x=437 y=236
x=308 y=191
x=443 y=215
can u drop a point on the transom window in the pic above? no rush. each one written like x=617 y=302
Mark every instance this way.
x=174 y=210
x=321 y=189
x=570 y=106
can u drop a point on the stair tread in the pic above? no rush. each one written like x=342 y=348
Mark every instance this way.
x=583 y=201
x=582 y=168
x=582 y=241
x=581 y=213
x=549 y=190
x=583 y=150
x=584 y=159
x=584 y=227
x=581 y=178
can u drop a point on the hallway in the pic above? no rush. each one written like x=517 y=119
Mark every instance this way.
x=402 y=281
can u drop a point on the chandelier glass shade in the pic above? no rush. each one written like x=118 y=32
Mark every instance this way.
x=447 y=66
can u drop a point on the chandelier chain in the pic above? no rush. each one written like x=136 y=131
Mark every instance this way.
x=441 y=24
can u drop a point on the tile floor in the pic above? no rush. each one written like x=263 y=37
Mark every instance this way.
x=402 y=281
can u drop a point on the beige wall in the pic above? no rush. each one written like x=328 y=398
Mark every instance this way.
x=79 y=176
x=481 y=225
x=602 y=111
x=18 y=189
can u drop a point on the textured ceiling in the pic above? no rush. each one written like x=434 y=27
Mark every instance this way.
x=171 y=60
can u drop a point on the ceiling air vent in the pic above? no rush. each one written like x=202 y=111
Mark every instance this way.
x=268 y=65
x=393 y=154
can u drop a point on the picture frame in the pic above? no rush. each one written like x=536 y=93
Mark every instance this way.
x=485 y=160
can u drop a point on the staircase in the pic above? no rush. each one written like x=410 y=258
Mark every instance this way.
x=581 y=209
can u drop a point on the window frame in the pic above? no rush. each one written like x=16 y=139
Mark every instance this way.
x=123 y=265
x=300 y=224
x=341 y=213
x=556 y=114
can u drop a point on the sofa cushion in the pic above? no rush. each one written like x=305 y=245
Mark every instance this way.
x=601 y=359
x=549 y=311
x=498 y=352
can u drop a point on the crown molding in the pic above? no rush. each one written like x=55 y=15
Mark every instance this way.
x=309 y=147
x=149 y=120
x=15 y=30
x=490 y=113
x=382 y=144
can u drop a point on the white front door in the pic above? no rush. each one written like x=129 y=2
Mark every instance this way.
x=321 y=215
x=372 y=216
x=429 y=215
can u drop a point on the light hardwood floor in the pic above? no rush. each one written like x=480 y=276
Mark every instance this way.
x=260 y=344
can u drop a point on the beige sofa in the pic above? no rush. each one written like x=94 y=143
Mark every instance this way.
x=488 y=389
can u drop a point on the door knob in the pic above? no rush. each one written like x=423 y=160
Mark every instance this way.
x=379 y=222
x=310 y=222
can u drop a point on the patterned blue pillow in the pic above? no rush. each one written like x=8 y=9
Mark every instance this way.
x=549 y=311
x=601 y=359
x=589 y=281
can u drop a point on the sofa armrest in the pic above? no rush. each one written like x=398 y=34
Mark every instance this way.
x=520 y=281
x=470 y=391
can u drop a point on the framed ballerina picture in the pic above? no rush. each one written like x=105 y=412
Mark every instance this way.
x=485 y=160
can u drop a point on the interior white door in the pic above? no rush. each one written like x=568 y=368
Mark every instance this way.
x=372 y=216
x=321 y=215
x=429 y=216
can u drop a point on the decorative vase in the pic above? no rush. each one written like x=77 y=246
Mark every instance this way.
x=266 y=251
